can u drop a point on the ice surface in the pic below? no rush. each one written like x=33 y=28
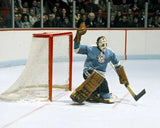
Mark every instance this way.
x=63 y=113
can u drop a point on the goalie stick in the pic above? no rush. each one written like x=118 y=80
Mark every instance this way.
x=136 y=97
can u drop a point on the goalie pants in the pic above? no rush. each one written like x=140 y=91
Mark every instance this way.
x=103 y=88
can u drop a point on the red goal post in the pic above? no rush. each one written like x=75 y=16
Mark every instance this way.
x=51 y=36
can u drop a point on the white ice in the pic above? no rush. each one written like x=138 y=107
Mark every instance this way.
x=63 y=113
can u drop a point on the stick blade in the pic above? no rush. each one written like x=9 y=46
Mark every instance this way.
x=137 y=97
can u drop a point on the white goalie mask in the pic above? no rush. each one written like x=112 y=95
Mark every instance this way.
x=102 y=43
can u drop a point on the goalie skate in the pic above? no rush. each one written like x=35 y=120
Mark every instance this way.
x=98 y=99
x=85 y=90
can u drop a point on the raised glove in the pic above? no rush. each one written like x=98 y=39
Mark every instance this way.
x=80 y=31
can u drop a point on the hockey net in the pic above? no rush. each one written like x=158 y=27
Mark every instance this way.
x=49 y=66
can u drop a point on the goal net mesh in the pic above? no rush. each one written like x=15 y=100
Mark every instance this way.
x=32 y=84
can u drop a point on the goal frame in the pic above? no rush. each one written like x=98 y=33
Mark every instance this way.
x=50 y=37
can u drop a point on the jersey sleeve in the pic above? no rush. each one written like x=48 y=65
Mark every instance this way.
x=115 y=62
x=80 y=49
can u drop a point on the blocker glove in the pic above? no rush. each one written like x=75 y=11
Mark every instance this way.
x=122 y=76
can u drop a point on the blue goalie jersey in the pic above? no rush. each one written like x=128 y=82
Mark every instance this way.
x=96 y=59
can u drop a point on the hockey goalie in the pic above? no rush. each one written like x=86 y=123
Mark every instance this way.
x=95 y=87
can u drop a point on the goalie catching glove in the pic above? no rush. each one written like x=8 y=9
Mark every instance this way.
x=80 y=31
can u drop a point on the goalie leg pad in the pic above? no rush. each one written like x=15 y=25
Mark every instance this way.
x=84 y=91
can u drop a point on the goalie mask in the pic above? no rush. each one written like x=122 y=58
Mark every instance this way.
x=102 y=43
